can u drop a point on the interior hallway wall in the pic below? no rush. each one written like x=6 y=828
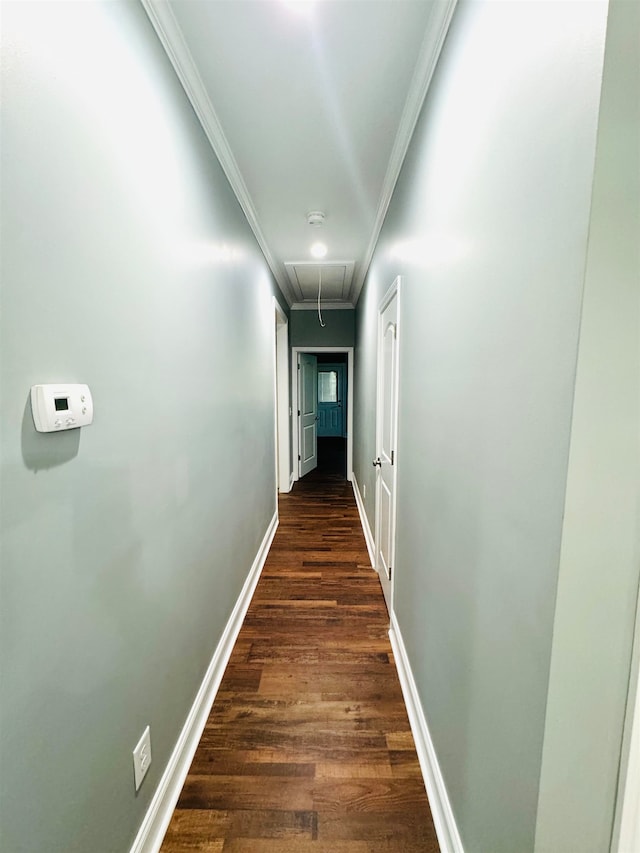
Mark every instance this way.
x=488 y=227
x=338 y=329
x=126 y=264
x=600 y=559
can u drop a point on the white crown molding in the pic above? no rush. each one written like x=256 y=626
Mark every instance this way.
x=172 y=39
x=437 y=28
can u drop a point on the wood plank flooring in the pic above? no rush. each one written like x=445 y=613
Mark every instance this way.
x=308 y=748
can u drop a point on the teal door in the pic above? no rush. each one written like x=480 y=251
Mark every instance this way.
x=331 y=400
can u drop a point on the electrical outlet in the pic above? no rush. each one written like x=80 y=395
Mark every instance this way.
x=142 y=757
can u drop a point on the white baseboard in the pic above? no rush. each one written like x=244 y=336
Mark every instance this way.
x=443 y=819
x=292 y=480
x=156 y=821
x=368 y=535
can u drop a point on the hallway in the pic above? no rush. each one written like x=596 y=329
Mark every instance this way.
x=174 y=251
x=308 y=746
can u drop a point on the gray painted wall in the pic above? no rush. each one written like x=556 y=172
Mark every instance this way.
x=600 y=559
x=305 y=329
x=488 y=228
x=126 y=264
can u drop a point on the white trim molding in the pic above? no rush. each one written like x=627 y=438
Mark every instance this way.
x=282 y=409
x=443 y=818
x=158 y=816
x=295 y=421
x=173 y=41
x=626 y=828
x=438 y=26
x=364 y=521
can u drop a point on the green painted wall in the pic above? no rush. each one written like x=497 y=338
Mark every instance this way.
x=488 y=229
x=339 y=331
x=125 y=545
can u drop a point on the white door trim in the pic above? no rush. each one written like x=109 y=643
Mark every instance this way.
x=392 y=292
x=281 y=396
x=626 y=831
x=294 y=403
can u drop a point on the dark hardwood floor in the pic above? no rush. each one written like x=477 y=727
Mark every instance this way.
x=308 y=748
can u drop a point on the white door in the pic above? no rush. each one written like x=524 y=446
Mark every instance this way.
x=308 y=412
x=386 y=428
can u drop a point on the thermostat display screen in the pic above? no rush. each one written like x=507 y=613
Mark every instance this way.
x=61 y=404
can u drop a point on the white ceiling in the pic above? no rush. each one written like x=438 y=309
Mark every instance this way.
x=309 y=106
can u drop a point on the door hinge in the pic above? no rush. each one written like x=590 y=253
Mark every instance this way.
x=392 y=456
x=299 y=457
x=298 y=412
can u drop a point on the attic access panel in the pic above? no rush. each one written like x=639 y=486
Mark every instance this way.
x=337 y=277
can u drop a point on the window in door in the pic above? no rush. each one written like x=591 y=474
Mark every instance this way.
x=327 y=386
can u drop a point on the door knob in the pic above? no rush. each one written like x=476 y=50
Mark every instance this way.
x=377 y=462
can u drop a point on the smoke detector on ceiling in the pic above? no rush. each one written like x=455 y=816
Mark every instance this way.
x=316 y=217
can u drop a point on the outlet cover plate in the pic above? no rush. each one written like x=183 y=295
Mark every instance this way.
x=142 y=757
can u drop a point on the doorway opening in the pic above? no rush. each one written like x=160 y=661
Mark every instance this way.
x=322 y=393
x=332 y=411
x=284 y=478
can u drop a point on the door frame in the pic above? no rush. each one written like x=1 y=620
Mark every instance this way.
x=294 y=403
x=393 y=291
x=282 y=410
x=626 y=828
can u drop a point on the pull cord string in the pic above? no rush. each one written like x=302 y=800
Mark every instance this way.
x=319 y=292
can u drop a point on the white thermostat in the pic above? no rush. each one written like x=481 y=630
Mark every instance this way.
x=59 y=407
